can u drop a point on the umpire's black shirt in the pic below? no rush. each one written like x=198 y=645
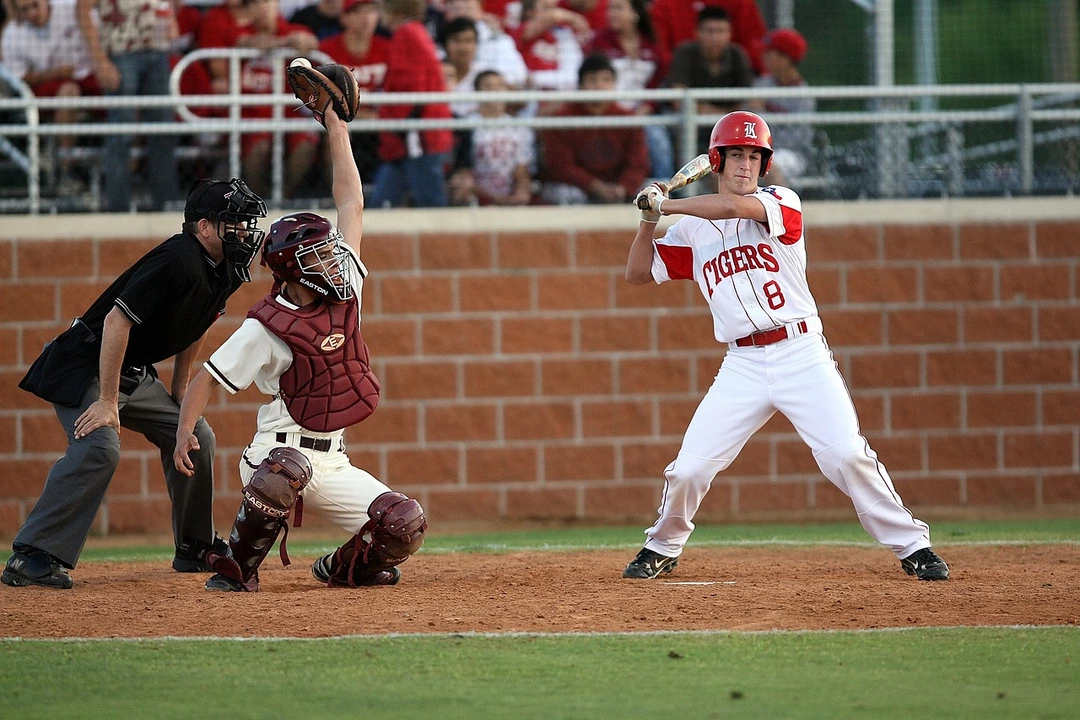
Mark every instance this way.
x=173 y=294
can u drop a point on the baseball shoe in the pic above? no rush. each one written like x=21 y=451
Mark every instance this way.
x=649 y=564
x=220 y=583
x=190 y=556
x=35 y=567
x=926 y=565
x=320 y=570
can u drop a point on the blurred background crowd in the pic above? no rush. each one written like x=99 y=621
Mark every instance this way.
x=71 y=48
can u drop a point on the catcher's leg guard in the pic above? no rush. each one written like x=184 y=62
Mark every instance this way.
x=264 y=511
x=394 y=532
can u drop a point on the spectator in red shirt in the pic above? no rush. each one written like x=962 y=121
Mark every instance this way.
x=593 y=164
x=220 y=27
x=269 y=31
x=676 y=22
x=629 y=41
x=365 y=53
x=413 y=162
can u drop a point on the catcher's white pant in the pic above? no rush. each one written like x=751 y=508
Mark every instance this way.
x=800 y=378
x=338 y=491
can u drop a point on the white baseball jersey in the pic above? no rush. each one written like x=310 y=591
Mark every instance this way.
x=253 y=354
x=753 y=275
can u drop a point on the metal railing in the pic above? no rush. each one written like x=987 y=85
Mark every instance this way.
x=889 y=120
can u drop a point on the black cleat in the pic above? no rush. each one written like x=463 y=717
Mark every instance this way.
x=649 y=564
x=35 y=567
x=320 y=570
x=191 y=556
x=221 y=583
x=926 y=565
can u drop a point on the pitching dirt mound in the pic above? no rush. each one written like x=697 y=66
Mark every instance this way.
x=712 y=589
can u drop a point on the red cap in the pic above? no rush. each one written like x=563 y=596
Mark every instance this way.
x=350 y=4
x=786 y=41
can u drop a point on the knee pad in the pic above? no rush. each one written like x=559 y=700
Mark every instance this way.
x=394 y=532
x=267 y=502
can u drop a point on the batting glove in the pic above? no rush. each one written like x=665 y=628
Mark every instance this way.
x=649 y=201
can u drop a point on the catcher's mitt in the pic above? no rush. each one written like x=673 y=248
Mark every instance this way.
x=324 y=87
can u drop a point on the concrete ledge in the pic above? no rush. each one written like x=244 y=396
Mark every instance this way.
x=546 y=219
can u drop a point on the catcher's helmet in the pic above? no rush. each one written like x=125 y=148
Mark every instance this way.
x=740 y=129
x=236 y=211
x=307 y=249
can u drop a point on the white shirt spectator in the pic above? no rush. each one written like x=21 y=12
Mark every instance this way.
x=27 y=48
x=496 y=152
x=498 y=50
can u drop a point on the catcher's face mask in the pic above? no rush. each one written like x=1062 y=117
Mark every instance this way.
x=307 y=249
x=332 y=264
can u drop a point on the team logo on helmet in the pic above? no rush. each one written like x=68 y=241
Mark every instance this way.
x=332 y=342
x=750 y=130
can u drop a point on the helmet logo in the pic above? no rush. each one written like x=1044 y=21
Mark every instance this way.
x=750 y=130
x=332 y=342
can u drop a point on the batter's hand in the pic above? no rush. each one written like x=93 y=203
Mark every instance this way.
x=648 y=201
x=185 y=444
x=101 y=413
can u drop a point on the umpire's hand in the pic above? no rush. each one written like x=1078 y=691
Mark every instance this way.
x=185 y=443
x=101 y=413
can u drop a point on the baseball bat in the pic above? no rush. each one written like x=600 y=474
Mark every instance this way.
x=692 y=171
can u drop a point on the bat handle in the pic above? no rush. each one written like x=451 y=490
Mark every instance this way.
x=643 y=204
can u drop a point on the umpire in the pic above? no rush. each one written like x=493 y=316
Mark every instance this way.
x=99 y=376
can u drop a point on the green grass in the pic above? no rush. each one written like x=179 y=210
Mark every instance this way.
x=986 y=673
x=942 y=532
x=911 y=673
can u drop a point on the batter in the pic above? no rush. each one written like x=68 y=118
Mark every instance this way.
x=745 y=249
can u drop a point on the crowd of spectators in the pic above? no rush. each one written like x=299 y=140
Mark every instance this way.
x=127 y=47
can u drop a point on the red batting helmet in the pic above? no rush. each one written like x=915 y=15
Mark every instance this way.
x=740 y=129
x=306 y=248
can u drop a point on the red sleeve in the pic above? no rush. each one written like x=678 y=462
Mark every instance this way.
x=678 y=259
x=412 y=65
x=662 y=25
x=792 y=225
x=748 y=30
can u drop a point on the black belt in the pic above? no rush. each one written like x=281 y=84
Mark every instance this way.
x=317 y=444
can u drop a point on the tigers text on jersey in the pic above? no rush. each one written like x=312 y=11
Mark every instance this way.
x=753 y=275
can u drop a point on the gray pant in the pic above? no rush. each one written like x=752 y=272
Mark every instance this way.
x=63 y=515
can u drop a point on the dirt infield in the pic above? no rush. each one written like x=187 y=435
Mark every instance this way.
x=712 y=589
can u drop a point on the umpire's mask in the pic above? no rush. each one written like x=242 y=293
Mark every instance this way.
x=236 y=210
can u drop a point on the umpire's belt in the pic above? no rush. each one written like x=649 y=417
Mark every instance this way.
x=768 y=337
x=316 y=444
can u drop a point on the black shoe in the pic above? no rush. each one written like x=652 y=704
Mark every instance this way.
x=191 y=555
x=320 y=570
x=35 y=567
x=649 y=564
x=926 y=565
x=220 y=583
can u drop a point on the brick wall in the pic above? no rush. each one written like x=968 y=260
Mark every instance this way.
x=525 y=379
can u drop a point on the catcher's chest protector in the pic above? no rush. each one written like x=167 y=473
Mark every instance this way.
x=330 y=384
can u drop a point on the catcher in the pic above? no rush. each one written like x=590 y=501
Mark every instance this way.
x=302 y=346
